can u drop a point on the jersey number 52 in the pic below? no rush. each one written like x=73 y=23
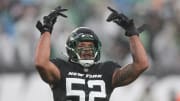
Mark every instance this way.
x=81 y=93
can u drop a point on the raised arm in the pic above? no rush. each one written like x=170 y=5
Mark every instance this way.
x=47 y=70
x=130 y=72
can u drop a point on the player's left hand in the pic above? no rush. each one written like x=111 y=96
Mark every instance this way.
x=126 y=23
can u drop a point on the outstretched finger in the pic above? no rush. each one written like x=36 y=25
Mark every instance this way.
x=63 y=15
x=114 y=11
x=62 y=10
x=111 y=17
x=124 y=17
x=59 y=9
x=55 y=14
x=142 y=28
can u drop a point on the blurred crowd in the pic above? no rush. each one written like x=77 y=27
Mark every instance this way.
x=18 y=35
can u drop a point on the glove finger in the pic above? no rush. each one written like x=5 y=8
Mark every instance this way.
x=118 y=22
x=39 y=25
x=123 y=17
x=63 y=15
x=62 y=10
x=112 y=10
x=111 y=17
x=142 y=28
x=55 y=14
x=131 y=22
x=54 y=20
x=58 y=10
x=48 y=18
x=60 y=13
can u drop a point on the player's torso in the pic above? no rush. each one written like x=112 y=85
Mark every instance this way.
x=79 y=84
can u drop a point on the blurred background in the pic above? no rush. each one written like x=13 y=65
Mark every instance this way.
x=19 y=81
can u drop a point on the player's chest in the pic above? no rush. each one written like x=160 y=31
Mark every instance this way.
x=85 y=85
x=83 y=75
x=85 y=80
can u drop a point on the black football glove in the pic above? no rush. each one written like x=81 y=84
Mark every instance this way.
x=49 y=20
x=126 y=23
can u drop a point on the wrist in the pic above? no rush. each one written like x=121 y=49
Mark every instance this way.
x=46 y=29
x=132 y=32
x=133 y=39
x=46 y=33
x=133 y=36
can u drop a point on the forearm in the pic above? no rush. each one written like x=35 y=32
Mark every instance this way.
x=138 y=52
x=130 y=72
x=43 y=49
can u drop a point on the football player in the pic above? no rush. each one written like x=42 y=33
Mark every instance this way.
x=82 y=77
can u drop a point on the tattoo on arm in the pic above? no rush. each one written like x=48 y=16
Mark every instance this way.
x=125 y=75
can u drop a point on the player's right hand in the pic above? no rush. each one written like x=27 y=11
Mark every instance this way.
x=50 y=19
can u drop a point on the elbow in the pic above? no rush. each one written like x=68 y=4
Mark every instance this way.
x=39 y=63
x=142 y=65
x=145 y=65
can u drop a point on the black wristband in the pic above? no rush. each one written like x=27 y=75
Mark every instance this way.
x=131 y=32
x=46 y=29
